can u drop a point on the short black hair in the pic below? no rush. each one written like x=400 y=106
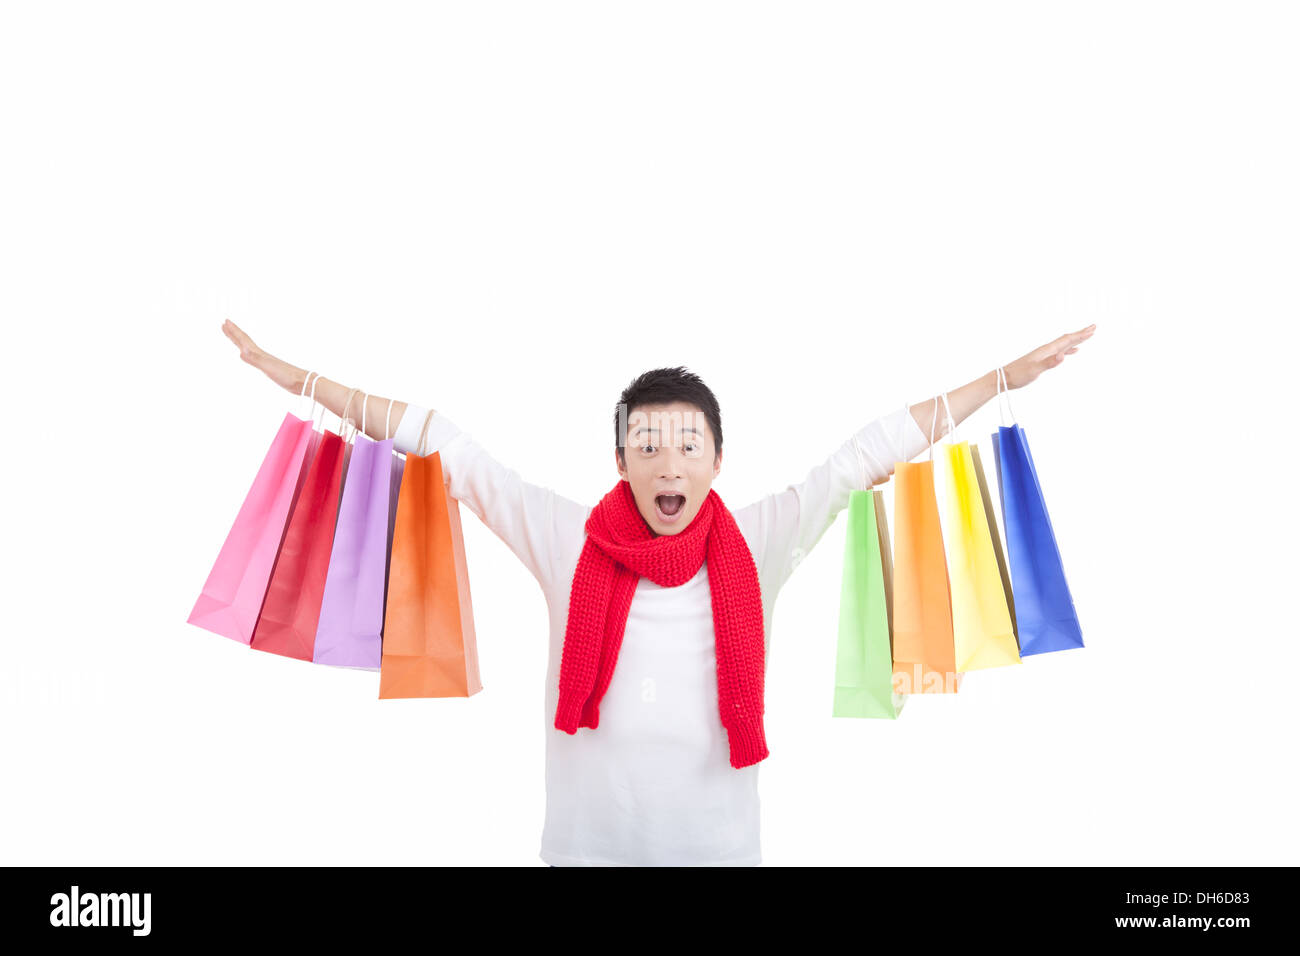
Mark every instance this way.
x=659 y=386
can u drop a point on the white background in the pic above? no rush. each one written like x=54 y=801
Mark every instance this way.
x=508 y=210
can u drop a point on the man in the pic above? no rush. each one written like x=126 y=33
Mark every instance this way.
x=660 y=601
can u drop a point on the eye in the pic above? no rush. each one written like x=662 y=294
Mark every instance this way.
x=691 y=447
x=650 y=447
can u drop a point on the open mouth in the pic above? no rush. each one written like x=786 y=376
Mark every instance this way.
x=670 y=507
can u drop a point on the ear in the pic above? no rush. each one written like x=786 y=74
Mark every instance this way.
x=717 y=464
x=618 y=463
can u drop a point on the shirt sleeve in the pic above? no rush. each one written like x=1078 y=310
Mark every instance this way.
x=532 y=520
x=790 y=522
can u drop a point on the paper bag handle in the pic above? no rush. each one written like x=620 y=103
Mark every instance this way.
x=424 y=433
x=352 y=437
x=952 y=426
x=314 y=404
x=1004 y=395
x=343 y=416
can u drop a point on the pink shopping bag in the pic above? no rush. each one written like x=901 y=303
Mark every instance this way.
x=232 y=596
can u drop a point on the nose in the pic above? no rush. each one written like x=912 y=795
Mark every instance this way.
x=672 y=464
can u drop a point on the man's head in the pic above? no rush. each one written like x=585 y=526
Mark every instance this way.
x=673 y=447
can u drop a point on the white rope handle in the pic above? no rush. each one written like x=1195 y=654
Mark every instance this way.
x=934 y=419
x=343 y=415
x=952 y=425
x=353 y=437
x=1004 y=395
x=315 y=405
x=424 y=433
x=388 y=420
x=303 y=393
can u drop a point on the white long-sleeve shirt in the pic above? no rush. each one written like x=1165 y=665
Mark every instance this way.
x=653 y=784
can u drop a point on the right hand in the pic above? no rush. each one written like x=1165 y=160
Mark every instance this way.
x=287 y=376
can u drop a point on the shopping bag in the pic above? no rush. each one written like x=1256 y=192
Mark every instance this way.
x=998 y=552
x=232 y=595
x=1046 y=619
x=864 y=652
x=397 y=466
x=350 y=630
x=925 y=658
x=981 y=621
x=429 y=649
x=287 y=624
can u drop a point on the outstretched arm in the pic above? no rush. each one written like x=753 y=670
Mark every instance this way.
x=540 y=526
x=965 y=400
x=333 y=395
x=787 y=524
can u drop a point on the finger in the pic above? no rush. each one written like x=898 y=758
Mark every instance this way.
x=1073 y=338
x=1065 y=341
x=240 y=338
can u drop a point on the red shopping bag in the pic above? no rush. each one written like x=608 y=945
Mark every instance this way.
x=291 y=611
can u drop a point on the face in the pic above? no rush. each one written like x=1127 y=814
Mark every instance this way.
x=670 y=463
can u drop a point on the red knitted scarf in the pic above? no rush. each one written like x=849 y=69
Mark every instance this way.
x=619 y=549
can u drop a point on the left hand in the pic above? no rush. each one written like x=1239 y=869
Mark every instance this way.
x=1028 y=367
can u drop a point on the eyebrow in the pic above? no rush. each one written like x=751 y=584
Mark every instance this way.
x=687 y=428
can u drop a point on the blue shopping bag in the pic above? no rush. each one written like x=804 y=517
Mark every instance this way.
x=1045 y=616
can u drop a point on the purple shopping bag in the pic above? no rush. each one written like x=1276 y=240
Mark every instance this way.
x=232 y=595
x=350 y=632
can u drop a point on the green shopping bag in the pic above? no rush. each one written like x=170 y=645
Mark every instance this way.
x=864 y=658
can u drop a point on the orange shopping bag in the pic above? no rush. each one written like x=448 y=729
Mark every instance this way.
x=429 y=647
x=925 y=655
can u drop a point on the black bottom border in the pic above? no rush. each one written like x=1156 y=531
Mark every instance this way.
x=894 y=904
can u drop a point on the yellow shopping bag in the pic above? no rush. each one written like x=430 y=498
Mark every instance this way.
x=981 y=617
x=1003 y=571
